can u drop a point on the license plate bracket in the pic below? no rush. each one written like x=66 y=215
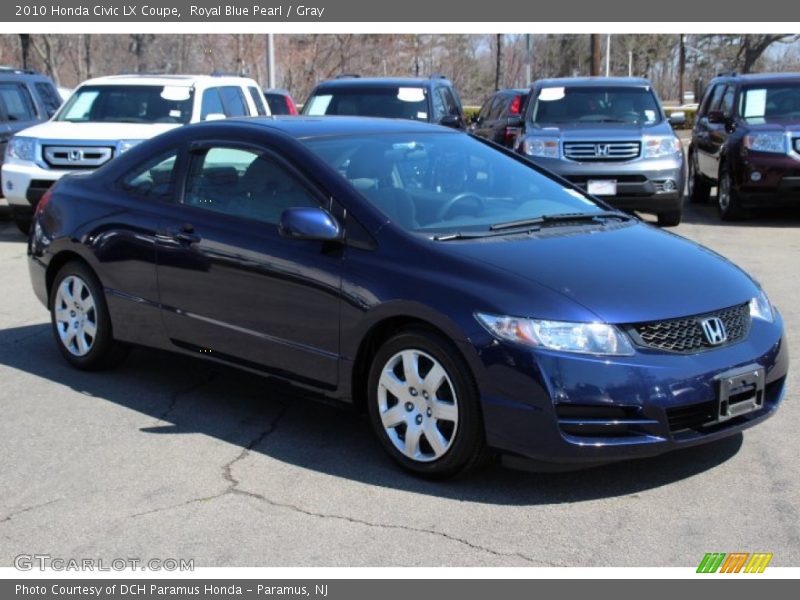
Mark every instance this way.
x=741 y=391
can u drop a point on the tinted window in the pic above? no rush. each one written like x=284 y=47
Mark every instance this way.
x=244 y=183
x=234 y=102
x=483 y=114
x=256 y=96
x=439 y=107
x=497 y=107
x=716 y=97
x=212 y=104
x=445 y=182
x=596 y=105
x=128 y=104
x=449 y=102
x=726 y=104
x=49 y=97
x=156 y=179
x=277 y=104
x=17 y=102
x=390 y=102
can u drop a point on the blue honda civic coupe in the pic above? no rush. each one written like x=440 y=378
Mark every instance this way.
x=468 y=301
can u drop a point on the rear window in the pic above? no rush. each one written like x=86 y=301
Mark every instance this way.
x=277 y=104
x=393 y=102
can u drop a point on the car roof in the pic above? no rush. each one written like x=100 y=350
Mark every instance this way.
x=380 y=81
x=759 y=77
x=310 y=127
x=170 y=80
x=598 y=82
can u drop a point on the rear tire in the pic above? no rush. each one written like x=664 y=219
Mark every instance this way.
x=699 y=189
x=424 y=405
x=80 y=320
x=23 y=222
x=728 y=203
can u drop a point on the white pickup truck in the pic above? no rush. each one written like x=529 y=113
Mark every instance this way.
x=105 y=117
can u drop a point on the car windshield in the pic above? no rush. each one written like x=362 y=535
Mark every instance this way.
x=390 y=102
x=128 y=104
x=439 y=183
x=761 y=103
x=635 y=105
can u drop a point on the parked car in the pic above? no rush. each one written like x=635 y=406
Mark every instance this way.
x=746 y=141
x=432 y=100
x=26 y=98
x=608 y=135
x=104 y=117
x=280 y=102
x=499 y=119
x=463 y=297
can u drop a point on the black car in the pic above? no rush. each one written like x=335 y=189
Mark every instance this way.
x=499 y=119
x=746 y=141
x=431 y=100
x=26 y=98
x=280 y=102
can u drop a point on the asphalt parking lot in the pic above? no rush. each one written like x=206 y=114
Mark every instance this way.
x=171 y=457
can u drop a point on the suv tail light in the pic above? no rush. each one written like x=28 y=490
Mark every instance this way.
x=516 y=105
x=290 y=105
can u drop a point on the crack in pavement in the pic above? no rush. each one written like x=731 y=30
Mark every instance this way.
x=234 y=489
x=10 y=516
x=183 y=392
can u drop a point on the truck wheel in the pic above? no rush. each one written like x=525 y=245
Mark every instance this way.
x=728 y=204
x=699 y=188
x=670 y=219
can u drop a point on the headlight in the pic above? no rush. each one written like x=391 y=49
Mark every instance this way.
x=766 y=142
x=125 y=145
x=21 y=148
x=583 y=338
x=760 y=308
x=658 y=146
x=544 y=147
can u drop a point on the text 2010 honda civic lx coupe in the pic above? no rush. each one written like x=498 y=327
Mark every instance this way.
x=466 y=299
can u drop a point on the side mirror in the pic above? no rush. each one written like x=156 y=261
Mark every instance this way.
x=304 y=223
x=214 y=117
x=450 y=121
x=716 y=116
x=677 y=118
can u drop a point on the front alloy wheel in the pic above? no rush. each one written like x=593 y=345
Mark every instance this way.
x=728 y=204
x=424 y=405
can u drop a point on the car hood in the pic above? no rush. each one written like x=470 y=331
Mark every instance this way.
x=67 y=131
x=606 y=132
x=626 y=273
x=774 y=124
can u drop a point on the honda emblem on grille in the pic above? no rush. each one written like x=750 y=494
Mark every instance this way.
x=602 y=149
x=75 y=155
x=714 y=330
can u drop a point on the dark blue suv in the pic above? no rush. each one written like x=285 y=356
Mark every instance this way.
x=460 y=295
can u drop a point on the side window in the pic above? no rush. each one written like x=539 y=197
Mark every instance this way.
x=234 y=102
x=484 y=112
x=726 y=104
x=439 y=109
x=49 y=96
x=154 y=179
x=243 y=183
x=716 y=98
x=18 y=102
x=497 y=107
x=256 y=96
x=451 y=108
x=211 y=104
x=705 y=103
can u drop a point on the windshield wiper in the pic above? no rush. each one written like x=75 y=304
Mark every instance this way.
x=559 y=218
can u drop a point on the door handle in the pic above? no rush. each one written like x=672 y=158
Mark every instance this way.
x=184 y=234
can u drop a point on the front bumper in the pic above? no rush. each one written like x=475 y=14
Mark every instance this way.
x=533 y=400
x=777 y=184
x=24 y=184
x=641 y=184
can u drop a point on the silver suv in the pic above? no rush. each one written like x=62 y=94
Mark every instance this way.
x=609 y=136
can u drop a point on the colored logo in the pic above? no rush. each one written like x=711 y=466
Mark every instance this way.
x=735 y=562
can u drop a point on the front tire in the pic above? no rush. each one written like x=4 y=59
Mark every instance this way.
x=80 y=320
x=670 y=219
x=22 y=221
x=424 y=405
x=728 y=204
x=699 y=189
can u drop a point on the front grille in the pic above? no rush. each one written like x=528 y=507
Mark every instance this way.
x=77 y=157
x=601 y=151
x=686 y=335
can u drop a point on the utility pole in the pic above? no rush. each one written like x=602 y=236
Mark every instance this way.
x=594 y=40
x=528 y=60
x=271 y=60
x=681 y=66
x=608 y=54
x=499 y=61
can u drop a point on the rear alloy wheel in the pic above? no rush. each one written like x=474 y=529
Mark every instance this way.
x=80 y=320
x=424 y=406
x=728 y=205
x=699 y=190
